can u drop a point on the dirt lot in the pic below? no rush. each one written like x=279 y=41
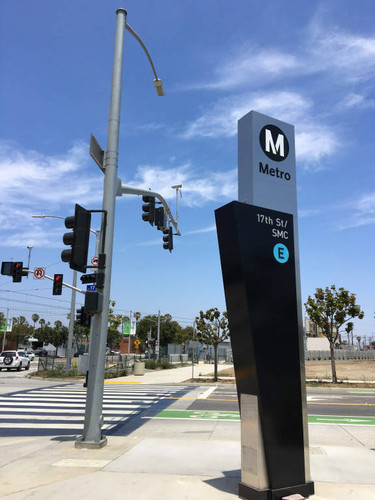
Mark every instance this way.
x=346 y=370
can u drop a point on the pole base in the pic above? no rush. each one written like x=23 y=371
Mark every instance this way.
x=250 y=493
x=80 y=443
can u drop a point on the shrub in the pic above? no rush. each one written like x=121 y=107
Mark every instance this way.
x=152 y=364
x=59 y=372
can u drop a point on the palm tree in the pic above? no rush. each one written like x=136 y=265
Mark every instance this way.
x=35 y=318
x=137 y=316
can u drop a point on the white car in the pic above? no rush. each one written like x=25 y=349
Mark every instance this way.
x=30 y=355
x=14 y=359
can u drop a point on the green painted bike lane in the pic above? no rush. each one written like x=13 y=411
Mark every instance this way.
x=235 y=416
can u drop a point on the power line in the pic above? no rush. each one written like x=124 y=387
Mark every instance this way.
x=38 y=296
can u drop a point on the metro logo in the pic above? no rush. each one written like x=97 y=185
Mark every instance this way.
x=274 y=143
x=269 y=144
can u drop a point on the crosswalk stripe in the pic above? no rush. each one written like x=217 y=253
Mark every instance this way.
x=72 y=400
x=67 y=405
x=62 y=408
x=39 y=409
x=77 y=418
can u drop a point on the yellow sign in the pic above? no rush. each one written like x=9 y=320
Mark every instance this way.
x=137 y=343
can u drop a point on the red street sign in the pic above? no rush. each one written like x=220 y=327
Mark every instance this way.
x=94 y=261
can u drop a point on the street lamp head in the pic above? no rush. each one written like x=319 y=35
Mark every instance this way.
x=177 y=186
x=38 y=216
x=159 y=87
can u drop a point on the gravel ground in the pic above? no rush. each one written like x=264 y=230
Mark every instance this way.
x=345 y=370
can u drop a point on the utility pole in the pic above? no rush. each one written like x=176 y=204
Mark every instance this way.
x=192 y=359
x=69 y=348
x=158 y=338
x=28 y=259
x=5 y=328
x=130 y=328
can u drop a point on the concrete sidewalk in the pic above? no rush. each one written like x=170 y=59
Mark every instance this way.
x=173 y=376
x=175 y=459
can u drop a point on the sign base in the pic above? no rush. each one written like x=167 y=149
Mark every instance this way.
x=258 y=264
x=249 y=493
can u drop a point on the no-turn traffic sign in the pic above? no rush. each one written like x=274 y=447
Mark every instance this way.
x=39 y=273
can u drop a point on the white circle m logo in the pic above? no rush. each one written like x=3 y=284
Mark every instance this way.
x=274 y=143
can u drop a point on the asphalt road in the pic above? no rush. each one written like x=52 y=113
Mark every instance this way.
x=28 y=405
x=338 y=402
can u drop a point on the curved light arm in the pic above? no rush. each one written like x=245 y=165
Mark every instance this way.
x=125 y=189
x=58 y=217
x=44 y=216
x=157 y=82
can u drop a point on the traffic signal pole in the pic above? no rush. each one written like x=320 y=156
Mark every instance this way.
x=92 y=435
x=69 y=347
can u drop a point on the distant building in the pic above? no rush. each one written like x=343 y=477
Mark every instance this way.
x=312 y=329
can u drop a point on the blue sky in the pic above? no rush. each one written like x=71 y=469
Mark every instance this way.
x=312 y=65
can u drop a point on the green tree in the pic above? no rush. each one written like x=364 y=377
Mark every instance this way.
x=59 y=334
x=145 y=325
x=330 y=309
x=115 y=320
x=170 y=330
x=186 y=333
x=44 y=332
x=80 y=333
x=21 y=329
x=212 y=328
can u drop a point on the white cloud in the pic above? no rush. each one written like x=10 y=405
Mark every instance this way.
x=314 y=140
x=208 y=229
x=364 y=212
x=220 y=119
x=366 y=204
x=38 y=178
x=196 y=190
x=356 y=101
x=350 y=55
x=33 y=183
x=340 y=55
x=248 y=65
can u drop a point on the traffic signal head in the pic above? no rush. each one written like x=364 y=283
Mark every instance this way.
x=82 y=318
x=78 y=239
x=6 y=268
x=168 y=239
x=160 y=218
x=57 y=284
x=14 y=269
x=17 y=272
x=148 y=209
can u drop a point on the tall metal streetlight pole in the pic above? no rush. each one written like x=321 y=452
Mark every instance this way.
x=92 y=437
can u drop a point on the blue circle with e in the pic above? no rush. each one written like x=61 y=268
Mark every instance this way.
x=281 y=253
